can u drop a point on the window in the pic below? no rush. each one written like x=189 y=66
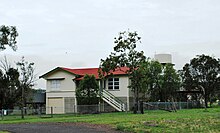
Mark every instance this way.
x=113 y=83
x=55 y=84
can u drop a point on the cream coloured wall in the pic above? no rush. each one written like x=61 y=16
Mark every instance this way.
x=123 y=87
x=56 y=98
x=123 y=92
x=56 y=103
x=66 y=84
x=61 y=94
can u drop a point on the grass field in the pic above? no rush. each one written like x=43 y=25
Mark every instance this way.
x=192 y=120
x=4 y=132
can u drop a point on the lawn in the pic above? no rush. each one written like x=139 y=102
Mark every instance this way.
x=192 y=120
x=4 y=132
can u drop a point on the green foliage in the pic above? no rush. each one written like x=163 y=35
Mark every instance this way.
x=26 y=70
x=170 y=82
x=161 y=82
x=152 y=71
x=8 y=35
x=26 y=78
x=15 y=84
x=87 y=91
x=8 y=88
x=202 y=73
x=126 y=55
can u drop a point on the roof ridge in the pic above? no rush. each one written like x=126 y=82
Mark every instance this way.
x=84 y=71
x=78 y=68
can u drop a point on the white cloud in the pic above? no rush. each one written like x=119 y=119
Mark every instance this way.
x=85 y=29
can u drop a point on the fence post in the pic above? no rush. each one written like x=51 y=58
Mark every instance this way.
x=165 y=105
x=22 y=112
x=76 y=106
x=2 y=114
x=40 y=111
x=187 y=105
x=51 y=109
x=99 y=106
x=141 y=107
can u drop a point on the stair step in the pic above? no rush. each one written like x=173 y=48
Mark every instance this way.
x=113 y=101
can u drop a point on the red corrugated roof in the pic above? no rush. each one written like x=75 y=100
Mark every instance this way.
x=83 y=71
x=120 y=71
x=93 y=71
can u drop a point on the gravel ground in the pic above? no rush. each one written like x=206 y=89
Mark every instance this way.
x=56 y=128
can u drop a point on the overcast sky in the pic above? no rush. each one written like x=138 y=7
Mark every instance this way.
x=78 y=33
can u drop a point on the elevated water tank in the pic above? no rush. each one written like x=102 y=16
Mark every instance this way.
x=163 y=58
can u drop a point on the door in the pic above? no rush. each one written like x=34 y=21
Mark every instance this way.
x=57 y=104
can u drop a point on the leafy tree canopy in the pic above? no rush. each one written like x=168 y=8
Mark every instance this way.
x=8 y=35
x=161 y=81
x=87 y=91
x=125 y=54
x=9 y=83
x=170 y=82
x=202 y=73
x=27 y=79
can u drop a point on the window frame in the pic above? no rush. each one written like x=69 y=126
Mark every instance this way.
x=114 y=83
x=55 y=84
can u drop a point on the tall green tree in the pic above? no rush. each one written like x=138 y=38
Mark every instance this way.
x=126 y=55
x=15 y=84
x=170 y=83
x=27 y=79
x=187 y=77
x=187 y=82
x=8 y=35
x=152 y=71
x=202 y=73
x=162 y=80
x=88 y=90
x=9 y=83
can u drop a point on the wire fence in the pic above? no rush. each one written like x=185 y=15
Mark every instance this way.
x=47 y=112
x=170 y=105
x=7 y=114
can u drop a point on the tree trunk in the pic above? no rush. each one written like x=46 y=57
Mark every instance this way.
x=205 y=96
x=206 y=101
x=173 y=105
x=136 y=98
x=135 y=102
